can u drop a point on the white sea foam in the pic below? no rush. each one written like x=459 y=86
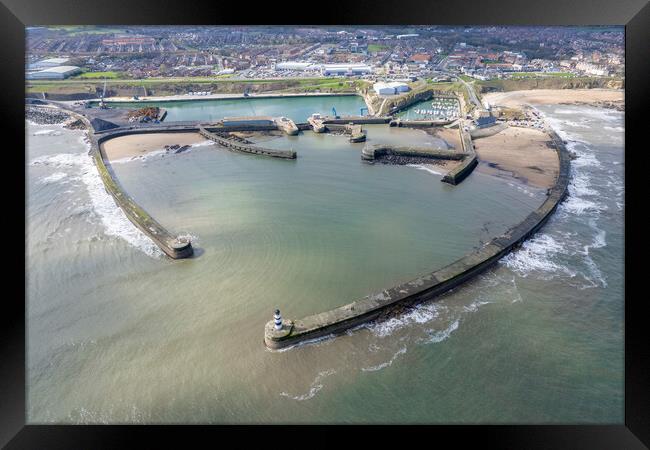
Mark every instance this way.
x=112 y=218
x=475 y=305
x=426 y=168
x=419 y=314
x=440 y=336
x=619 y=129
x=203 y=143
x=47 y=133
x=536 y=255
x=388 y=363
x=576 y=124
x=543 y=253
x=59 y=160
x=141 y=158
x=315 y=386
x=56 y=176
x=578 y=205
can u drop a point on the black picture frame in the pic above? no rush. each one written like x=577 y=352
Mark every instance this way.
x=634 y=14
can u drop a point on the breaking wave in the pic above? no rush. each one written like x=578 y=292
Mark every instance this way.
x=47 y=133
x=419 y=314
x=80 y=167
x=560 y=253
x=56 y=176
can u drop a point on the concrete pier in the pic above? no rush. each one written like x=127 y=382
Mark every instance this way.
x=247 y=148
x=419 y=123
x=355 y=120
x=409 y=154
x=470 y=161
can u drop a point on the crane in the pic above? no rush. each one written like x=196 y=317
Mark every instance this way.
x=102 y=105
x=336 y=116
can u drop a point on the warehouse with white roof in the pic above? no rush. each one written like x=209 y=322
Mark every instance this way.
x=390 y=88
x=54 y=73
x=293 y=65
x=345 y=69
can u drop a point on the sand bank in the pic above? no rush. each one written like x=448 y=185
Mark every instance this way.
x=516 y=99
x=140 y=144
x=522 y=153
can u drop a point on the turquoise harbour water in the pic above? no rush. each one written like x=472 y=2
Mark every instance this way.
x=118 y=333
x=296 y=108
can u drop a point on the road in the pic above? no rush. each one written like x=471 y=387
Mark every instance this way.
x=470 y=90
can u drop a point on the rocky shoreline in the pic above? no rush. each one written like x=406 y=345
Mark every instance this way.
x=47 y=116
x=616 y=105
x=400 y=160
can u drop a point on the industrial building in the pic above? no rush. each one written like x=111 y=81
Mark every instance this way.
x=390 y=88
x=293 y=65
x=54 y=73
x=345 y=69
x=47 y=63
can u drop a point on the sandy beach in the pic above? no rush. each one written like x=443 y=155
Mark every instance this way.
x=521 y=153
x=140 y=144
x=516 y=99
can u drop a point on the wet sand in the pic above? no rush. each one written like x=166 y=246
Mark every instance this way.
x=450 y=136
x=521 y=153
x=140 y=144
x=516 y=99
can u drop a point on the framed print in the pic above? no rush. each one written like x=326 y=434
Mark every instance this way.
x=412 y=214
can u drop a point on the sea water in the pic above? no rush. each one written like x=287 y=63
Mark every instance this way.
x=119 y=333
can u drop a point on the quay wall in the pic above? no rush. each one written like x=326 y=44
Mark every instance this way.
x=377 y=151
x=458 y=174
x=247 y=148
x=419 y=123
x=470 y=162
x=427 y=287
x=356 y=120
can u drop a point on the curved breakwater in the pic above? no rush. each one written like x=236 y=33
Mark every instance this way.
x=175 y=247
x=426 y=287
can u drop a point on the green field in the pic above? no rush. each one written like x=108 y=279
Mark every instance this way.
x=73 y=30
x=376 y=47
x=102 y=75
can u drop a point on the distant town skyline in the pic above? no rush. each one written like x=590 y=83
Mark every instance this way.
x=258 y=52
